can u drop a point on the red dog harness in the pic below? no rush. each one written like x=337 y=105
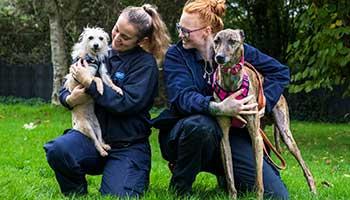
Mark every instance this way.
x=223 y=94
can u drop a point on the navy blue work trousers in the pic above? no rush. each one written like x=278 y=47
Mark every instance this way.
x=125 y=170
x=193 y=145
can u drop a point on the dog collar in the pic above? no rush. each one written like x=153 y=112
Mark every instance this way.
x=90 y=60
x=234 y=69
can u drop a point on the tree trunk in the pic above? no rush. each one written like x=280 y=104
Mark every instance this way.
x=58 y=55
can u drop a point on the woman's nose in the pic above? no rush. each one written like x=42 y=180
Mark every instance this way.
x=181 y=35
x=117 y=37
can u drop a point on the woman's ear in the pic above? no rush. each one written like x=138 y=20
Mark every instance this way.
x=208 y=32
x=144 y=41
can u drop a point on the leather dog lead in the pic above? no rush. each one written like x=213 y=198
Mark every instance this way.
x=269 y=144
x=261 y=104
x=222 y=94
x=261 y=96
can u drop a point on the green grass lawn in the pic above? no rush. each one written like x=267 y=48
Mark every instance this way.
x=25 y=174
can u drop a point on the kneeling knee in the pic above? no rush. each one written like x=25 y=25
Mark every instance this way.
x=278 y=193
x=199 y=127
x=54 y=153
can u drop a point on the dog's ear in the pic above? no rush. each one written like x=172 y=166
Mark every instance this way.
x=81 y=36
x=106 y=36
x=241 y=32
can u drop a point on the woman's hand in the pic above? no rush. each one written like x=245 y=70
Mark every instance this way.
x=231 y=107
x=77 y=97
x=81 y=73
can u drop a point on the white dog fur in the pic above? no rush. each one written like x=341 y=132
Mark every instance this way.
x=92 y=46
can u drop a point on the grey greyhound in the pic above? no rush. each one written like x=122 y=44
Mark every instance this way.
x=233 y=74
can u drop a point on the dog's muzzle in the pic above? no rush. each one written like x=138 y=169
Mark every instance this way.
x=96 y=47
x=220 y=59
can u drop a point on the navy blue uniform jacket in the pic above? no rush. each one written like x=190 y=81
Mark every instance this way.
x=125 y=118
x=189 y=93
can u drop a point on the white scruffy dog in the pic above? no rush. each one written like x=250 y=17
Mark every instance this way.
x=92 y=47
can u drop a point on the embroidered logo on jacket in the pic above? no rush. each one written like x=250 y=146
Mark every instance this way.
x=119 y=76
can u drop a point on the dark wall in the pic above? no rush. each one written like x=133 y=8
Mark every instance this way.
x=26 y=81
x=320 y=105
x=35 y=81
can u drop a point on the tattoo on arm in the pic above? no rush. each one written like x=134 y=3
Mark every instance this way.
x=214 y=109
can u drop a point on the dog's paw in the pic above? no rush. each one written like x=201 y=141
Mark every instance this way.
x=103 y=153
x=100 y=91
x=106 y=147
x=99 y=85
x=118 y=90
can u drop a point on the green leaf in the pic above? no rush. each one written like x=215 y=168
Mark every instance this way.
x=337 y=80
x=332 y=52
x=339 y=22
x=343 y=62
x=296 y=44
x=339 y=46
x=309 y=86
x=297 y=76
x=305 y=73
x=295 y=88
x=314 y=73
x=311 y=61
x=289 y=48
x=308 y=89
x=344 y=51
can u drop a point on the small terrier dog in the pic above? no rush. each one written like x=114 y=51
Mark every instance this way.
x=92 y=47
x=233 y=74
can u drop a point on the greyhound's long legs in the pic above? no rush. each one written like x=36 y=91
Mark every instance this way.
x=253 y=124
x=226 y=155
x=281 y=115
x=277 y=137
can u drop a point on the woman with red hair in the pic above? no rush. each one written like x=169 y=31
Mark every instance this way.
x=189 y=134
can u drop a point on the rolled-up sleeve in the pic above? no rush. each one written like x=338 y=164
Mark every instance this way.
x=63 y=93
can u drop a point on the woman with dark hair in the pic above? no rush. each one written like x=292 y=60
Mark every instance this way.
x=139 y=38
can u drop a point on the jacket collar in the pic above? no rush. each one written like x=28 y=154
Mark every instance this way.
x=190 y=55
x=125 y=55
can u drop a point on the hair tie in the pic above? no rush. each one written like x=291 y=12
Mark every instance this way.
x=147 y=10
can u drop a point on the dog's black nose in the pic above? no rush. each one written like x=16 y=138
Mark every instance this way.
x=95 y=46
x=220 y=59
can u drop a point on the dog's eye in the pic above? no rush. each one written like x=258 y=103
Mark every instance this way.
x=230 y=41
x=90 y=37
x=217 y=41
x=101 y=38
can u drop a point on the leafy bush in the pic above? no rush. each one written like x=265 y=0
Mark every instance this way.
x=10 y=100
x=320 y=56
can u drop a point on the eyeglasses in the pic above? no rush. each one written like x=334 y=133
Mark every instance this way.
x=185 y=32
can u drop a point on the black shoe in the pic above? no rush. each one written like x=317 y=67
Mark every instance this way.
x=79 y=191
